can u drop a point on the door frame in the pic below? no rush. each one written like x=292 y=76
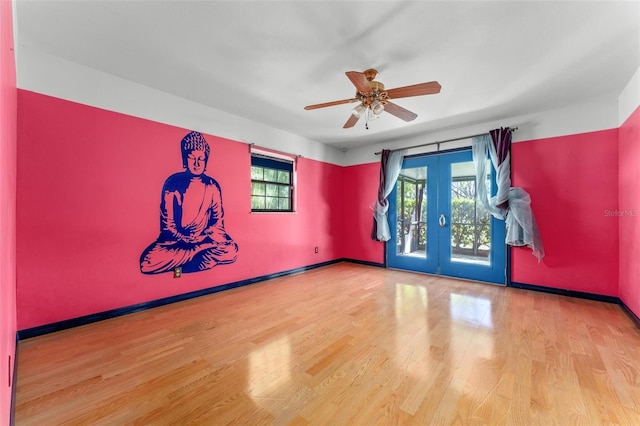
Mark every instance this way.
x=438 y=238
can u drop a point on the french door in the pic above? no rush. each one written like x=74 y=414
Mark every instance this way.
x=437 y=225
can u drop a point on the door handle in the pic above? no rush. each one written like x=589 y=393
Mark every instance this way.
x=442 y=220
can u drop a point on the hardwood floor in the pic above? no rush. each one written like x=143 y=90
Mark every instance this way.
x=345 y=344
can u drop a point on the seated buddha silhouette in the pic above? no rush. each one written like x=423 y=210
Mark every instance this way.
x=192 y=234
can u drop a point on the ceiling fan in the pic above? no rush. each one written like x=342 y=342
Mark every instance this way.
x=374 y=99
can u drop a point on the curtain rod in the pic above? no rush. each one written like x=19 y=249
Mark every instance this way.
x=513 y=129
x=275 y=151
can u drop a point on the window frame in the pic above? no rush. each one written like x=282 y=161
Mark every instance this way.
x=267 y=162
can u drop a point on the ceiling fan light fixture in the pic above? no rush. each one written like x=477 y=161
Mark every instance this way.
x=377 y=107
x=357 y=111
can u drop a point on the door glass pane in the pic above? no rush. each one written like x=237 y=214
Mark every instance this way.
x=470 y=222
x=411 y=238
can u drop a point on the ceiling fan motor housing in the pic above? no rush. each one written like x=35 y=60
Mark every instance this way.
x=370 y=74
x=377 y=92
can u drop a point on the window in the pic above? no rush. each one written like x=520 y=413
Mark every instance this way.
x=412 y=211
x=470 y=222
x=271 y=184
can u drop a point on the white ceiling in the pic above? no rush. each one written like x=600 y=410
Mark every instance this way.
x=266 y=60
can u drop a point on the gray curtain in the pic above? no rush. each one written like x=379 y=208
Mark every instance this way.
x=510 y=204
x=390 y=166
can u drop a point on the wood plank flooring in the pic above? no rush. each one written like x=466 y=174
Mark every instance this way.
x=345 y=344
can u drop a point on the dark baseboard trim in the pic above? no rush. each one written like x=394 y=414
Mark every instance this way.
x=630 y=314
x=570 y=293
x=597 y=297
x=364 y=262
x=100 y=316
x=12 y=410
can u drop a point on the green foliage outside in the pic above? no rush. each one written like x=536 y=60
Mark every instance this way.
x=470 y=225
x=470 y=222
x=411 y=197
x=270 y=196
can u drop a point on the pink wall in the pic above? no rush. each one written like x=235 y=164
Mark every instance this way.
x=7 y=208
x=572 y=181
x=88 y=195
x=89 y=184
x=629 y=194
x=361 y=190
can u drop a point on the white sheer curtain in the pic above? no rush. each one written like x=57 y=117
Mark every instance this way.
x=521 y=226
x=482 y=146
x=522 y=229
x=381 y=207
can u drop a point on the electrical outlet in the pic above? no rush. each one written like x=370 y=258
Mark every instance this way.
x=177 y=272
x=316 y=249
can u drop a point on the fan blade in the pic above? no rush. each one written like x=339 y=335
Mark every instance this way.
x=421 y=89
x=399 y=112
x=360 y=81
x=351 y=121
x=328 y=104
